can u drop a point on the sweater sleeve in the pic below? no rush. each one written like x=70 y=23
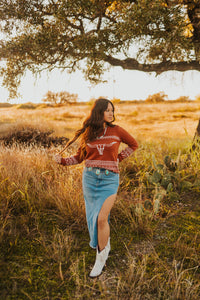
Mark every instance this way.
x=72 y=160
x=130 y=141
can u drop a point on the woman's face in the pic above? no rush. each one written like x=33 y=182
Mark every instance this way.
x=108 y=113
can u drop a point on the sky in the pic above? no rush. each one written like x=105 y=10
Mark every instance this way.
x=121 y=84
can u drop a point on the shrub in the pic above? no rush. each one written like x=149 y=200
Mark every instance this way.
x=133 y=113
x=197 y=98
x=5 y=104
x=158 y=97
x=68 y=115
x=183 y=99
x=27 y=105
x=60 y=97
x=91 y=101
x=116 y=100
x=44 y=105
x=30 y=136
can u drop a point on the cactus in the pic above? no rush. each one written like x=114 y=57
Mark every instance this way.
x=158 y=197
x=196 y=184
x=160 y=167
x=148 y=204
x=167 y=160
x=171 y=165
x=173 y=196
x=169 y=187
x=166 y=180
x=139 y=209
x=185 y=185
x=156 y=206
x=154 y=162
x=156 y=177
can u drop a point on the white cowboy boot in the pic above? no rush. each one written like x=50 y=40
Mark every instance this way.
x=108 y=246
x=101 y=258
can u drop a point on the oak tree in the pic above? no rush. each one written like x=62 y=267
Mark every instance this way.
x=146 y=35
x=62 y=97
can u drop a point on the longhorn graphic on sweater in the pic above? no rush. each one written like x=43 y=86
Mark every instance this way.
x=101 y=147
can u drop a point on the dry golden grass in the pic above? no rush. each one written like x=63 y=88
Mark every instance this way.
x=148 y=121
x=43 y=231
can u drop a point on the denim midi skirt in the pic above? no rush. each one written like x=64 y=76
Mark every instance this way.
x=98 y=185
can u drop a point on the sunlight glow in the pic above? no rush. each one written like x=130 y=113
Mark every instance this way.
x=121 y=84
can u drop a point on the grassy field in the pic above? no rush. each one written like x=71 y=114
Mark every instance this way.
x=155 y=223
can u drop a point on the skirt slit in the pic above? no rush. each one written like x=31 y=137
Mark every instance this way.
x=96 y=189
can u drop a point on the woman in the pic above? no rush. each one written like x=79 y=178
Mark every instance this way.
x=100 y=141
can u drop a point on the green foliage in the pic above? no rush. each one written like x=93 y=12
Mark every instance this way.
x=170 y=179
x=85 y=35
x=157 y=183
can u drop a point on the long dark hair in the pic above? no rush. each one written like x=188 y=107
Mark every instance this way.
x=93 y=124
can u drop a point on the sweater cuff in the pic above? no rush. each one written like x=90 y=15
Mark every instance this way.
x=69 y=161
x=125 y=153
x=120 y=158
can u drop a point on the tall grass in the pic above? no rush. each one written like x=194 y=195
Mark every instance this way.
x=155 y=254
x=32 y=176
x=44 y=238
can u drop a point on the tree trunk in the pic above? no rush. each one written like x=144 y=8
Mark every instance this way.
x=196 y=139
x=198 y=130
x=194 y=16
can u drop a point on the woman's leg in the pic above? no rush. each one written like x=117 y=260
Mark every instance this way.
x=103 y=230
x=103 y=226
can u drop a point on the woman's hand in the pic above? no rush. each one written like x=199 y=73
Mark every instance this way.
x=57 y=158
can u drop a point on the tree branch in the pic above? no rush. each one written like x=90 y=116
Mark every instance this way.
x=133 y=64
x=99 y=23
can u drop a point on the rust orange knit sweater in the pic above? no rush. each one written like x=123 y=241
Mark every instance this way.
x=103 y=151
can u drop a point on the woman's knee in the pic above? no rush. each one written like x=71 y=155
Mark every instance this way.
x=102 y=220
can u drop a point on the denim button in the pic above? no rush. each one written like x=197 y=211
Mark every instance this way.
x=107 y=172
x=97 y=171
x=90 y=169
